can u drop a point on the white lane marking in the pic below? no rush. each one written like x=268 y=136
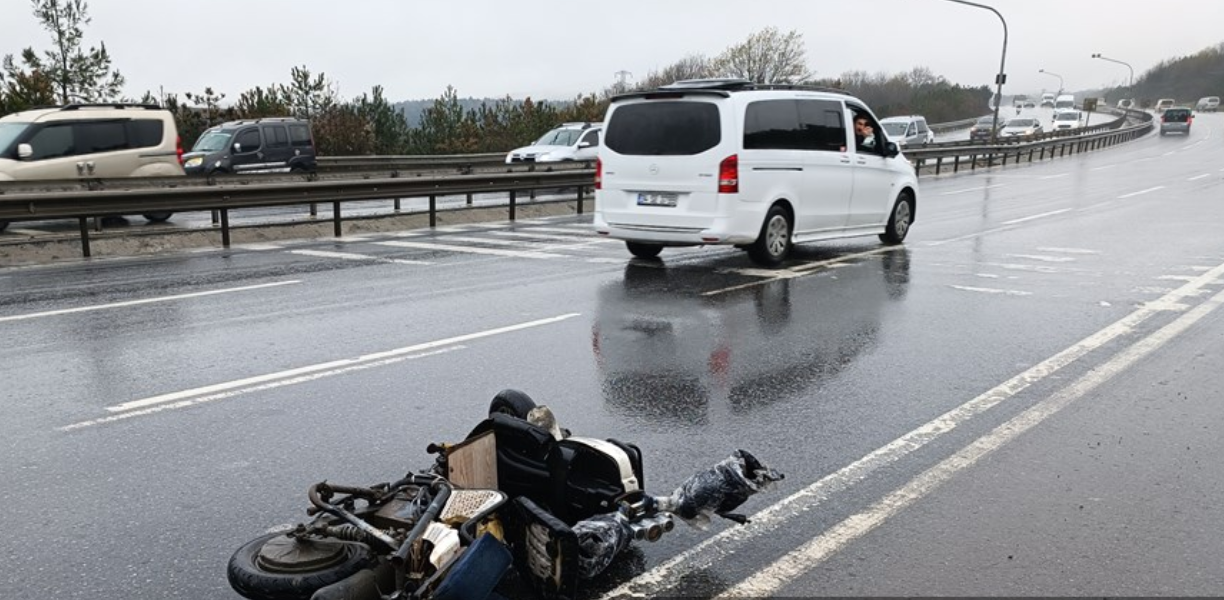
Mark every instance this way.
x=1140 y=192
x=768 y=581
x=1038 y=216
x=574 y=230
x=358 y=257
x=510 y=243
x=576 y=237
x=406 y=234
x=1103 y=168
x=1071 y=250
x=1167 y=154
x=1042 y=258
x=791 y=272
x=258 y=388
x=1177 y=277
x=802 y=502
x=1198 y=177
x=258 y=247
x=1029 y=268
x=471 y=250
x=28 y=231
x=334 y=364
x=990 y=290
x=607 y=261
x=1054 y=176
x=81 y=309
x=976 y=189
x=986 y=275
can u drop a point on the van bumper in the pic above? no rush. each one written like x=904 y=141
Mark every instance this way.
x=742 y=228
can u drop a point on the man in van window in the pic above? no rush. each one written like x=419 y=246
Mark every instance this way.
x=864 y=134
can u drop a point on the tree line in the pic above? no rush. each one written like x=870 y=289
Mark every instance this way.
x=370 y=124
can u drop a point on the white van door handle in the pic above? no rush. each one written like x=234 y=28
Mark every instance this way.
x=80 y=168
x=89 y=166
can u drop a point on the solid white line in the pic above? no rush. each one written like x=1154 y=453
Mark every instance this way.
x=1054 y=176
x=1198 y=177
x=573 y=229
x=28 y=231
x=767 y=582
x=66 y=311
x=1069 y=250
x=1103 y=168
x=357 y=257
x=335 y=364
x=990 y=290
x=1133 y=194
x=977 y=189
x=241 y=391
x=471 y=250
x=723 y=544
x=1039 y=216
x=256 y=247
x=533 y=246
x=1042 y=257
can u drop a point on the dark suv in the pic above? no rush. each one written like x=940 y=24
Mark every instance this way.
x=277 y=145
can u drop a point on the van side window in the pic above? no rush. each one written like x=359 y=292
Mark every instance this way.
x=53 y=141
x=824 y=125
x=277 y=136
x=145 y=133
x=249 y=140
x=300 y=135
x=100 y=136
x=772 y=125
x=591 y=138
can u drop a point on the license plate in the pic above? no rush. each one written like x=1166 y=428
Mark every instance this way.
x=657 y=199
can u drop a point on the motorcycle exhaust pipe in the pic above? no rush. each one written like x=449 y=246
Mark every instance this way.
x=650 y=529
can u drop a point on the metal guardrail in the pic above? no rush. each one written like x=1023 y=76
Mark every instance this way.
x=222 y=198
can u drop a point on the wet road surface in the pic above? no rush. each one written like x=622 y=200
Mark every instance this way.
x=1042 y=342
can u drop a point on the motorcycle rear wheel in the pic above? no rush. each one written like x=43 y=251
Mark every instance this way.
x=292 y=569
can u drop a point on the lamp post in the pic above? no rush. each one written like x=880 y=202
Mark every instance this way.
x=1001 y=77
x=1060 y=78
x=1127 y=65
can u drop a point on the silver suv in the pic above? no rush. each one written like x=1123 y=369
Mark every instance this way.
x=87 y=141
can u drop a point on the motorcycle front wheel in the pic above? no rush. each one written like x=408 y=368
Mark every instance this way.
x=279 y=567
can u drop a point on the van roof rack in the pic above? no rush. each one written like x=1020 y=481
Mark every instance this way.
x=724 y=88
x=78 y=106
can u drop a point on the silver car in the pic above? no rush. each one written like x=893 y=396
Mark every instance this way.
x=1176 y=120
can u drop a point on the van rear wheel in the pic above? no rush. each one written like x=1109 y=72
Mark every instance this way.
x=773 y=245
x=642 y=250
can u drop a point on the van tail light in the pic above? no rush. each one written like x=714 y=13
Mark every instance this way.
x=178 y=148
x=728 y=175
x=598 y=173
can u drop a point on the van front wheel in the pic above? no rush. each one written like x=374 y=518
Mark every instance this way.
x=641 y=250
x=900 y=220
x=773 y=245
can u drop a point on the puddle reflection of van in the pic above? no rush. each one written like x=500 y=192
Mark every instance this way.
x=666 y=353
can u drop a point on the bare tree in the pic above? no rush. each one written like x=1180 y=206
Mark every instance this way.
x=79 y=75
x=767 y=56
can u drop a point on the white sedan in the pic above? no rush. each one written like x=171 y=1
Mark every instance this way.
x=1021 y=127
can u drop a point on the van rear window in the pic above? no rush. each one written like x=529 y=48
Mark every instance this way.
x=663 y=128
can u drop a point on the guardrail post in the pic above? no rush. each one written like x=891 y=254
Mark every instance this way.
x=85 y=236
x=314 y=210
x=513 y=203
x=972 y=162
x=469 y=199
x=938 y=164
x=433 y=211
x=580 y=195
x=397 y=205
x=225 y=234
x=216 y=217
x=336 y=218
x=956 y=164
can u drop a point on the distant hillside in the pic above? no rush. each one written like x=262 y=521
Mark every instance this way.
x=1185 y=79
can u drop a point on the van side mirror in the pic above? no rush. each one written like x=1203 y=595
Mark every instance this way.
x=584 y=144
x=891 y=149
x=237 y=147
x=24 y=151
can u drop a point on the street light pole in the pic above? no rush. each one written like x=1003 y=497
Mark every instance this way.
x=1060 y=78
x=1001 y=77
x=1127 y=65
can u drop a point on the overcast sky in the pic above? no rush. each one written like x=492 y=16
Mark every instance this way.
x=558 y=49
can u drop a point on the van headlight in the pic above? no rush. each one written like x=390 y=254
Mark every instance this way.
x=194 y=162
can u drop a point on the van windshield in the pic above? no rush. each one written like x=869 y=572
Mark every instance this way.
x=1066 y=116
x=559 y=137
x=894 y=128
x=212 y=141
x=9 y=133
x=672 y=128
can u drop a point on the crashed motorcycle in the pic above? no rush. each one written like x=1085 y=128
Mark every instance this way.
x=517 y=493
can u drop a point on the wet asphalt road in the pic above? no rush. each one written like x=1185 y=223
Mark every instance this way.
x=1021 y=400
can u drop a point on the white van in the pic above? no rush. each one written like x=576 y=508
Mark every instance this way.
x=1064 y=102
x=758 y=167
x=908 y=131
